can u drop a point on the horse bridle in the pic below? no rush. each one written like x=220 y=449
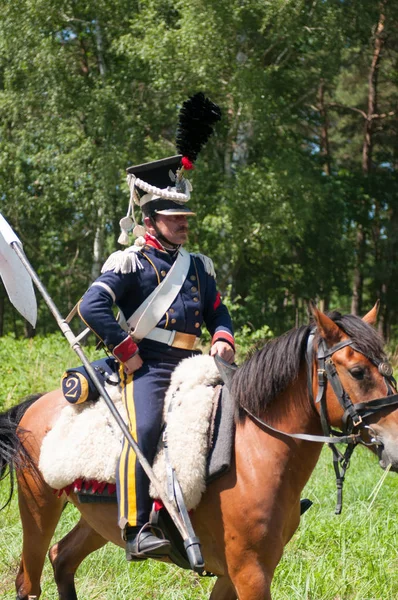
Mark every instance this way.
x=354 y=414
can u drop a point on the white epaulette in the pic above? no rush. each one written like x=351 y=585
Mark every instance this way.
x=207 y=263
x=123 y=261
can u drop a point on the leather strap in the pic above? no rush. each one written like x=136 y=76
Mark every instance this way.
x=149 y=313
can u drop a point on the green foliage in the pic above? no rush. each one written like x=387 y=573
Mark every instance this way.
x=280 y=190
x=35 y=365
x=347 y=557
x=350 y=557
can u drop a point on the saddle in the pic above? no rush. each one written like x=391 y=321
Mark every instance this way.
x=216 y=419
x=82 y=450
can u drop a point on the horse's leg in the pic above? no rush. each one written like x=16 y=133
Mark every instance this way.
x=67 y=554
x=252 y=582
x=40 y=512
x=223 y=590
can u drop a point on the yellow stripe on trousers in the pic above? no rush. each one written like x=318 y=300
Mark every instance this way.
x=128 y=458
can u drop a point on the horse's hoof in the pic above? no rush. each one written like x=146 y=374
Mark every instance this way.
x=305 y=504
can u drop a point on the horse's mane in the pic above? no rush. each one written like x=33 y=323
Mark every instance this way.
x=269 y=371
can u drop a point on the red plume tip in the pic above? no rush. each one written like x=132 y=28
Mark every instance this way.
x=187 y=164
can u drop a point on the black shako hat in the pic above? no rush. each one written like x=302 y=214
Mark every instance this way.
x=160 y=187
x=166 y=198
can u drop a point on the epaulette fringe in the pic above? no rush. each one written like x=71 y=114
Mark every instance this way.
x=123 y=261
x=207 y=263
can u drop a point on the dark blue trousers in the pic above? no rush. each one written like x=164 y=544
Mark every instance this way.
x=143 y=396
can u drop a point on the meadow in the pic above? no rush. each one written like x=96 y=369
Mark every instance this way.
x=349 y=557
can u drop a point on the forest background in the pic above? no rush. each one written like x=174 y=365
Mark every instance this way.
x=296 y=193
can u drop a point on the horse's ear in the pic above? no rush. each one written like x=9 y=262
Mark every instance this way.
x=371 y=316
x=326 y=327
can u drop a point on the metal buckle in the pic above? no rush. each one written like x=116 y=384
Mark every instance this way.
x=183 y=340
x=356 y=423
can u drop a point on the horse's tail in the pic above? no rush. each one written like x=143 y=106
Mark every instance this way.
x=13 y=454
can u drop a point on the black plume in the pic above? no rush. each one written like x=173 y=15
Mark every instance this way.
x=197 y=117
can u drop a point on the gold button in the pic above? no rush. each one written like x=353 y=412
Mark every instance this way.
x=196 y=313
x=193 y=278
x=173 y=320
x=111 y=346
x=194 y=289
x=197 y=325
x=195 y=299
x=163 y=273
x=171 y=310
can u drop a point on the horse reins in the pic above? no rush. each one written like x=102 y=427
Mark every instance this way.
x=354 y=414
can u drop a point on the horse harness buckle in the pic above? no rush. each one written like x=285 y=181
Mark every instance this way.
x=357 y=420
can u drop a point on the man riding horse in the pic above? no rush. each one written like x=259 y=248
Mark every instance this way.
x=164 y=295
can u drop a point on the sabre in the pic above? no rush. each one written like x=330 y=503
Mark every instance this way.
x=18 y=284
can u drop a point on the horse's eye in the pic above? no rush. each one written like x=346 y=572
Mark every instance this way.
x=357 y=373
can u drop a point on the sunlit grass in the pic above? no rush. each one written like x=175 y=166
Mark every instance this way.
x=349 y=557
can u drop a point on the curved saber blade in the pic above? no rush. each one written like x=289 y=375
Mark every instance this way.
x=16 y=279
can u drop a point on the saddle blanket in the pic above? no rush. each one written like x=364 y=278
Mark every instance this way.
x=85 y=442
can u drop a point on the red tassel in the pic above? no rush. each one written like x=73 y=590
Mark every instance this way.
x=101 y=487
x=187 y=164
x=68 y=489
x=157 y=505
x=95 y=486
x=111 y=488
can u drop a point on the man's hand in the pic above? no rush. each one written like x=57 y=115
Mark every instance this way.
x=132 y=364
x=224 y=350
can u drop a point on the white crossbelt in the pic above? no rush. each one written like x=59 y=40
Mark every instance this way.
x=143 y=321
x=173 y=338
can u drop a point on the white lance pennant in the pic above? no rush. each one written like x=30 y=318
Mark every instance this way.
x=16 y=279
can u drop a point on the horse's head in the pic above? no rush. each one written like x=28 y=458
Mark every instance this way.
x=361 y=394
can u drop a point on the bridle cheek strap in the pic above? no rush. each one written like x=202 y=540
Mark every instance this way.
x=353 y=415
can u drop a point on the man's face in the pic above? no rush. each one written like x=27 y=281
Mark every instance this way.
x=173 y=227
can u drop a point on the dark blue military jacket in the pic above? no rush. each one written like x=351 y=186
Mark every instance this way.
x=197 y=302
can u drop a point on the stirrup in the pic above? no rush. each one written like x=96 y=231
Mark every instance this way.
x=158 y=546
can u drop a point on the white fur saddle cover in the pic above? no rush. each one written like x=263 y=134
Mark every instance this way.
x=85 y=442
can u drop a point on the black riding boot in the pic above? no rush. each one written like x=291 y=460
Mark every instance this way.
x=142 y=543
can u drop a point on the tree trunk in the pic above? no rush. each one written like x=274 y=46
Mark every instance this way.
x=29 y=331
x=324 y=148
x=357 y=288
x=324 y=133
x=367 y=154
x=98 y=247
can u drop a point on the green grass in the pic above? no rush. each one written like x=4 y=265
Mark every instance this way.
x=349 y=557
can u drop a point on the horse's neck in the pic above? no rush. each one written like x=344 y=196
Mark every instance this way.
x=291 y=458
x=292 y=410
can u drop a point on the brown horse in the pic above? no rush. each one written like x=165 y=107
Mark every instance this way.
x=247 y=516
